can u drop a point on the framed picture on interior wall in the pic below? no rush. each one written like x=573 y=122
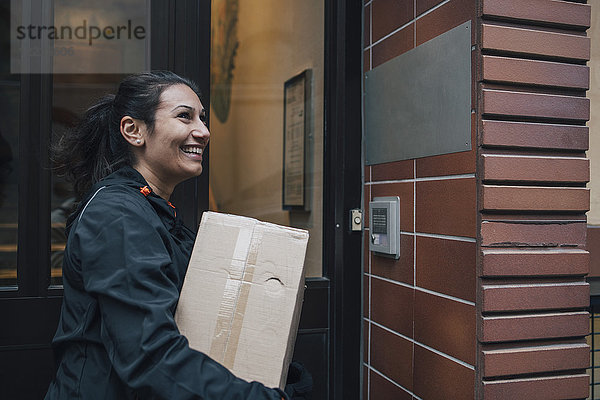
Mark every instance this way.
x=296 y=142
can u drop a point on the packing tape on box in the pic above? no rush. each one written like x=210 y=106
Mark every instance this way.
x=232 y=309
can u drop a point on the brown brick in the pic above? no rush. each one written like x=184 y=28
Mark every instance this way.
x=535 y=198
x=450 y=164
x=444 y=18
x=446 y=325
x=366 y=253
x=542 y=388
x=389 y=15
x=520 y=104
x=514 y=70
x=394 y=170
x=405 y=191
x=367 y=194
x=424 y=5
x=550 y=11
x=392 y=306
x=533 y=234
x=534 y=135
x=535 y=169
x=447 y=164
x=365 y=386
x=392 y=355
x=398 y=43
x=535 y=42
x=367 y=26
x=527 y=360
x=593 y=246
x=366 y=296
x=402 y=269
x=383 y=389
x=447 y=266
x=447 y=207
x=534 y=326
x=366 y=339
x=437 y=377
x=512 y=262
x=520 y=297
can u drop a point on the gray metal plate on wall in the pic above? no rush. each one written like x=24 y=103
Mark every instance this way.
x=419 y=103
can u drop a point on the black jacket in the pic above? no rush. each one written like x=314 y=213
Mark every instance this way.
x=126 y=256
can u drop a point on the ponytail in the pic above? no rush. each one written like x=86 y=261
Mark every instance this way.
x=96 y=148
x=93 y=150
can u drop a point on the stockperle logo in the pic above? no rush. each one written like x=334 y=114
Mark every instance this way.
x=80 y=36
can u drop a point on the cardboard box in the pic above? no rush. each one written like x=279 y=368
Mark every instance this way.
x=242 y=296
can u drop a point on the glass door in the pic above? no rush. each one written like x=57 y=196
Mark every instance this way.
x=69 y=56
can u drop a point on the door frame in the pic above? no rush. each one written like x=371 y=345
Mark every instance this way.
x=342 y=248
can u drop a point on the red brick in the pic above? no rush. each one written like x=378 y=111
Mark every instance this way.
x=527 y=360
x=392 y=306
x=382 y=389
x=535 y=135
x=550 y=11
x=446 y=325
x=534 y=326
x=405 y=191
x=535 y=169
x=396 y=44
x=521 y=297
x=520 y=104
x=593 y=246
x=535 y=42
x=389 y=15
x=514 y=70
x=402 y=269
x=392 y=355
x=444 y=18
x=542 y=388
x=447 y=266
x=437 y=377
x=503 y=198
x=526 y=262
x=394 y=170
x=447 y=207
x=533 y=234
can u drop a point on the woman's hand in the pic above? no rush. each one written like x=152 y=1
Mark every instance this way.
x=299 y=382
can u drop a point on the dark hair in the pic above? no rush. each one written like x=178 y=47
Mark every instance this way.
x=96 y=148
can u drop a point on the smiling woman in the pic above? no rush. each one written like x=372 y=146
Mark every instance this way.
x=171 y=152
x=127 y=250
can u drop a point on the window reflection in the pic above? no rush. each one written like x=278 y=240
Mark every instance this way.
x=254 y=51
x=72 y=95
x=10 y=92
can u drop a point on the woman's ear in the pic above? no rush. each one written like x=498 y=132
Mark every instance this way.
x=133 y=130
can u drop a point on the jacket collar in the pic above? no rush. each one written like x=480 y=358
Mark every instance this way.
x=128 y=176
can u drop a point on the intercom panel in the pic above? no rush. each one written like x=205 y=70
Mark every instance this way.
x=384 y=224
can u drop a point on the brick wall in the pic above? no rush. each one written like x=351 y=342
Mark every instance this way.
x=532 y=171
x=419 y=311
x=488 y=299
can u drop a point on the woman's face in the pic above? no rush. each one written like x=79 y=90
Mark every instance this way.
x=172 y=152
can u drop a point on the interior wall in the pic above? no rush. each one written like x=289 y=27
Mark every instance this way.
x=419 y=311
x=277 y=40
